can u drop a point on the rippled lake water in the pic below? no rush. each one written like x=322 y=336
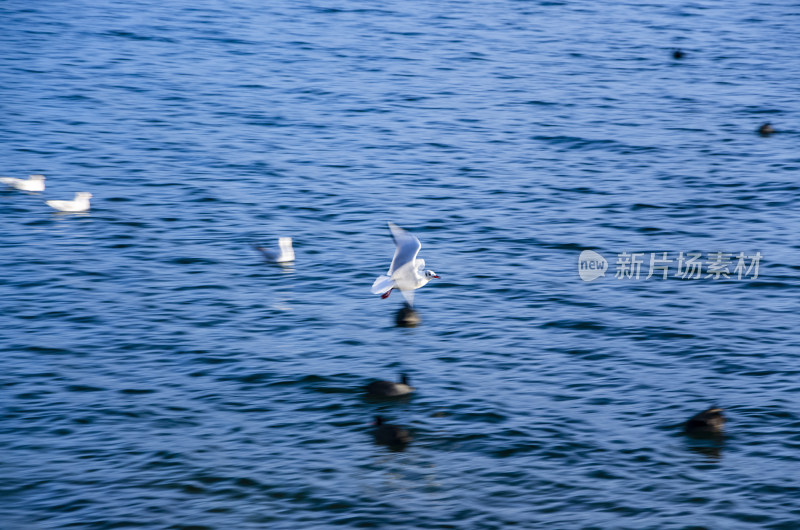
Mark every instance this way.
x=156 y=373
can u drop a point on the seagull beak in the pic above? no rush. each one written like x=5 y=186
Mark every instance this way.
x=436 y=276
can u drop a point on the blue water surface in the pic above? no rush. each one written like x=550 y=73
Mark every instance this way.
x=156 y=373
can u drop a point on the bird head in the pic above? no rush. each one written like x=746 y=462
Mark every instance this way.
x=430 y=274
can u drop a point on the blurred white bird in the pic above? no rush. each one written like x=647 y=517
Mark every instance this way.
x=406 y=271
x=283 y=254
x=34 y=183
x=79 y=204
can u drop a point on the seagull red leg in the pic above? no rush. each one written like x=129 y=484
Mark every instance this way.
x=387 y=293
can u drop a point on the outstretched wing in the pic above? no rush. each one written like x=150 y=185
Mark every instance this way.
x=409 y=296
x=407 y=248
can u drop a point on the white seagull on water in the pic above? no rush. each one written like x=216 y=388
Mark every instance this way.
x=79 y=204
x=284 y=254
x=34 y=183
x=406 y=271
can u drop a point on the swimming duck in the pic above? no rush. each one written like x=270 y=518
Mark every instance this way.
x=707 y=423
x=390 y=389
x=393 y=435
x=766 y=129
x=407 y=317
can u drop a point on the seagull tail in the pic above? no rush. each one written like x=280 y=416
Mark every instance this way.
x=382 y=285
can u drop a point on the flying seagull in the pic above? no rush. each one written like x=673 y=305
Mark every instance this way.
x=79 y=204
x=34 y=183
x=406 y=271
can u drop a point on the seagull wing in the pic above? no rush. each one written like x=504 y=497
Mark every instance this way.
x=409 y=296
x=268 y=253
x=407 y=248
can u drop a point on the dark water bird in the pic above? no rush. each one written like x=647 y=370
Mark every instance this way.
x=390 y=389
x=678 y=54
x=406 y=272
x=710 y=422
x=766 y=129
x=392 y=435
x=407 y=317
